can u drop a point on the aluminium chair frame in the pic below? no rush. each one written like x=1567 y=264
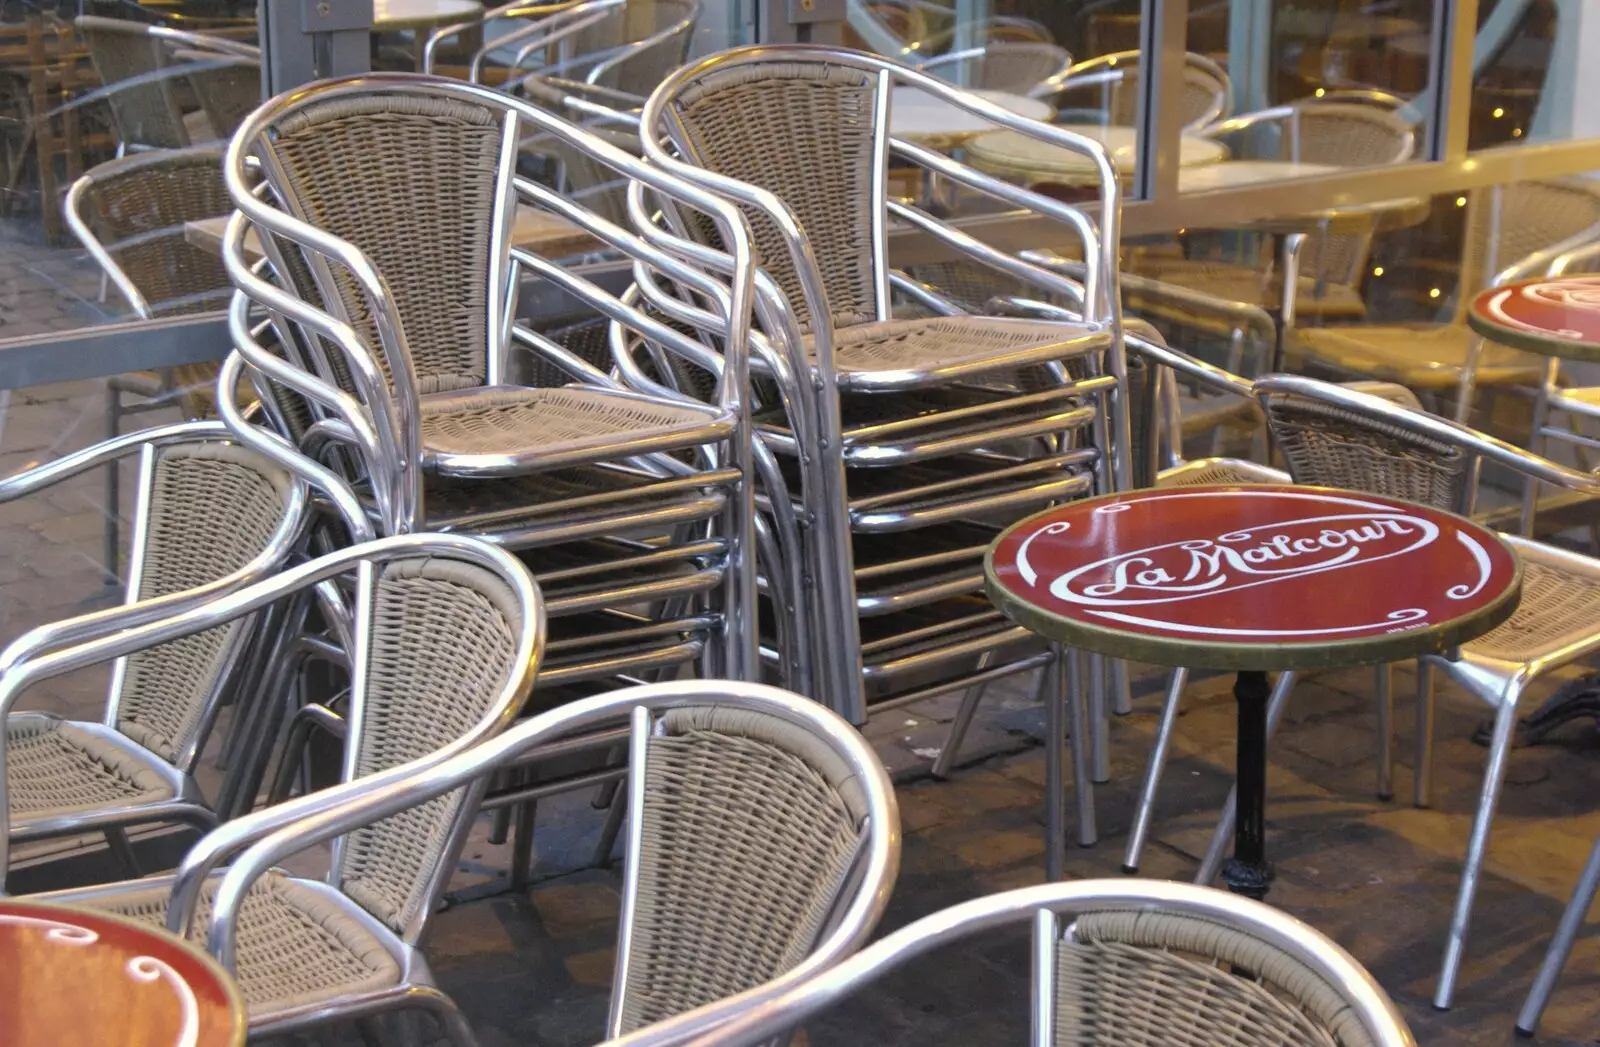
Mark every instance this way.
x=821 y=451
x=415 y=987
x=255 y=843
x=1051 y=909
x=1110 y=71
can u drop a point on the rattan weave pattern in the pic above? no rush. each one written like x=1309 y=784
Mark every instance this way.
x=493 y=422
x=1150 y=979
x=53 y=767
x=803 y=131
x=137 y=208
x=745 y=844
x=941 y=341
x=443 y=636
x=1557 y=608
x=1531 y=216
x=146 y=112
x=213 y=508
x=1219 y=471
x=351 y=165
x=1329 y=445
x=294 y=945
x=640 y=72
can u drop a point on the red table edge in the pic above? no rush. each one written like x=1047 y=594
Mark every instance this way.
x=1520 y=338
x=238 y=1014
x=1211 y=654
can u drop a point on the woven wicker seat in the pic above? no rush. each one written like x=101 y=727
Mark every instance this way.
x=868 y=355
x=473 y=435
x=300 y=942
x=1220 y=471
x=1559 y=608
x=56 y=767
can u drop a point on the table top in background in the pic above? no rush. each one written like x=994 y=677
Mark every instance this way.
x=390 y=15
x=1555 y=316
x=1253 y=577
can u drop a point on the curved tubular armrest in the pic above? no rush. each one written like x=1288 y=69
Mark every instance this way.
x=566 y=20
x=585 y=98
x=346 y=410
x=925 y=294
x=204 y=42
x=657 y=39
x=778 y=1012
x=1012 y=265
x=44 y=475
x=1578 y=255
x=1443 y=429
x=71 y=212
x=511 y=10
x=346 y=807
x=280 y=450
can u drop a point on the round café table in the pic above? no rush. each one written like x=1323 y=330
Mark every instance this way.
x=1552 y=316
x=89 y=979
x=919 y=117
x=1019 y=156
x=390 y=16
x=1378 y=216
x=1252 y=579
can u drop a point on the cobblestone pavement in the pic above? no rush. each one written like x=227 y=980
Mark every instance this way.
x=533 y=968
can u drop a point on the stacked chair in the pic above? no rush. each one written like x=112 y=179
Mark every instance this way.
x=1105 y=89
x=902 y=445
x=393 y=300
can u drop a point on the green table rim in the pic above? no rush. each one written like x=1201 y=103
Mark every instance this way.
x=1256 y=657
x=1529 y=341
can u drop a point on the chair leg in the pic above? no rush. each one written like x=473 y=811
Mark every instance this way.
x=1505 y=725
x=1383 y=689
x=450 y=1020
x=1422 y=774
x=1152 y=774
x=1121 y=688
x=122 y=852
x=1077 y=708
x=1099 y=720
x=1561 y=944
x=113 y=533
x=1536 y=441
x=612 y=827
x=958 y=730
x=522 y=842
x=1211 y=864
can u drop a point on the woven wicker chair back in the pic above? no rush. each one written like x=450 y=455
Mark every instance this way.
x=1508 y=223
x=1152 y=979
x=228 y=91
x=349 y=166
x=146 y=112
x=137 y=206
x=749 y=828
x=443 y=640
x=213 y=508
x=804 y=131
x=1334 y=446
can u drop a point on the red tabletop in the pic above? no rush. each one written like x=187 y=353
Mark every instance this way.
x=1253 y=577
x=79 y=977
x=1556 y=316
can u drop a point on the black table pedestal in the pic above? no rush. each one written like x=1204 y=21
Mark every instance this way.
x=1248 y=872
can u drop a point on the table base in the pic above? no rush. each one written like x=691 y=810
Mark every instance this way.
x=1248 y=873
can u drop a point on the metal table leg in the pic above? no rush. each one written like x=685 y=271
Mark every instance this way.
x=1248 y=872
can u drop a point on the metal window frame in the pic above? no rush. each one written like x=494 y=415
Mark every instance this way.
x=1154 y=205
